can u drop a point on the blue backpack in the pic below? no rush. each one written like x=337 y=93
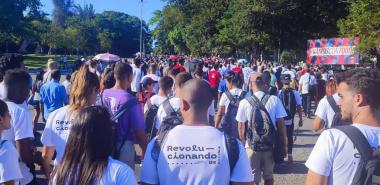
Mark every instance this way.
x=229 y=123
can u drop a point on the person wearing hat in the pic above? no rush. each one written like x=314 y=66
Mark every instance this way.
x=147 y=86
x=292 y=102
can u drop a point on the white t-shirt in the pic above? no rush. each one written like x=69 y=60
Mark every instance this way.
x=137 y=75
x=305 y=81
x=9 y=164
x=2 y=90
x=67 y=85
x=224 y=101
x=290 y=72
x=274 y=107
x=21 y=128
x=155 y=100
x=57 y=131
x=335 y=156
x=325 y=76
x=298 y=103
x=155 y=78
x=194 y=155
x=174 y=102
x=116 y=173
x=325 y=111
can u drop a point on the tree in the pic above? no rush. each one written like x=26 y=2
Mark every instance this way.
x=62 y=10
x=364 y=21
x=14 y=21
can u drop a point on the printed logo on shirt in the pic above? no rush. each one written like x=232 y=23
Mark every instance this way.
x=192 y=155
x=62 y=125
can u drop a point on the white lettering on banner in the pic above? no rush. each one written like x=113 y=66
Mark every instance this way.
x=344 y=50
x=192 y=155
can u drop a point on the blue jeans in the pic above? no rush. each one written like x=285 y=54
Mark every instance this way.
x=306 y=103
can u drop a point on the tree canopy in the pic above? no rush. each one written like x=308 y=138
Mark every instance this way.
x=72 y=29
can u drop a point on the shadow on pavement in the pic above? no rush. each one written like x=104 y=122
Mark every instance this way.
x=303 y=145
x=297 y=167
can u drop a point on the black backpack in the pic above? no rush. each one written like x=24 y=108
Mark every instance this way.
x=368 y=171
x=288 y=99
x=261 y=133
x=229 y=123
x=172 y=118
x=150 y=117
x=337 y=119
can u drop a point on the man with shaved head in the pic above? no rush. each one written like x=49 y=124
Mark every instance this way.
x=194 y=152
x=179 y=82
x=262 y=162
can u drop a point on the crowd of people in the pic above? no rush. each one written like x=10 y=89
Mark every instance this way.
x=197 y=121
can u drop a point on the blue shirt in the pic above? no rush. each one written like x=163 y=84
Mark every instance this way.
x=223 y=86
x=54 y=96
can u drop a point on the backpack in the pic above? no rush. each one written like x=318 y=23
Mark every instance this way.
x=115 y=116
x=338 y=115
x=229 y=123
x=288 y=99
x=368 y=171
x=150 y=117
x=261 y=132
x=172 y=118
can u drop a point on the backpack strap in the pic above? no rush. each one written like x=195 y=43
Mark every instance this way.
x=229 y=96
x=333 y=104
x=124 y=108
x=242 y=95
x=232 y=150
x=360 y=142
x=167 y=107
x=101 y=98
x=156 y=149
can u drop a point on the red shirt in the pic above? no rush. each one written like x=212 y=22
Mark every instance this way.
x=214 y=78
x=237 y=69
x=180 y=67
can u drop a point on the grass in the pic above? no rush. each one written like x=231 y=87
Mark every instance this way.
x=38 y=61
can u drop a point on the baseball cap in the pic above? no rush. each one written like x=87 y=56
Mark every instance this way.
x=147 y=81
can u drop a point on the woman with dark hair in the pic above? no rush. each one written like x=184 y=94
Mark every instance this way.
x=83 y=93
x=87 y=158
x=231 y=97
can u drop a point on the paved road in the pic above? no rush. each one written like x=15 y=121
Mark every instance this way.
x=295 y=174
x=285 y=174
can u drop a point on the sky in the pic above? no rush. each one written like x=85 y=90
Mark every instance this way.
x=131 y=7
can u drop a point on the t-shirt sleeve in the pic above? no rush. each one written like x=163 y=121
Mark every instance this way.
x=298 y=98
x=321 y=158
x=241 y=113
x=321 y=110
x=47 y=134
x=137 y=117
x=149 y=171
x=23 y=126
x=223 y=100
x=64 y=95
x=9 y=164
x=125 y=175
x=242 y=171
x=280 y=110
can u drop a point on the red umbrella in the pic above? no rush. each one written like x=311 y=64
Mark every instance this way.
x=107 y=57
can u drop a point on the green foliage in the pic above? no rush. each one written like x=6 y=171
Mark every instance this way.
x=236 y=27
x=73 y=29
x=364 y=21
